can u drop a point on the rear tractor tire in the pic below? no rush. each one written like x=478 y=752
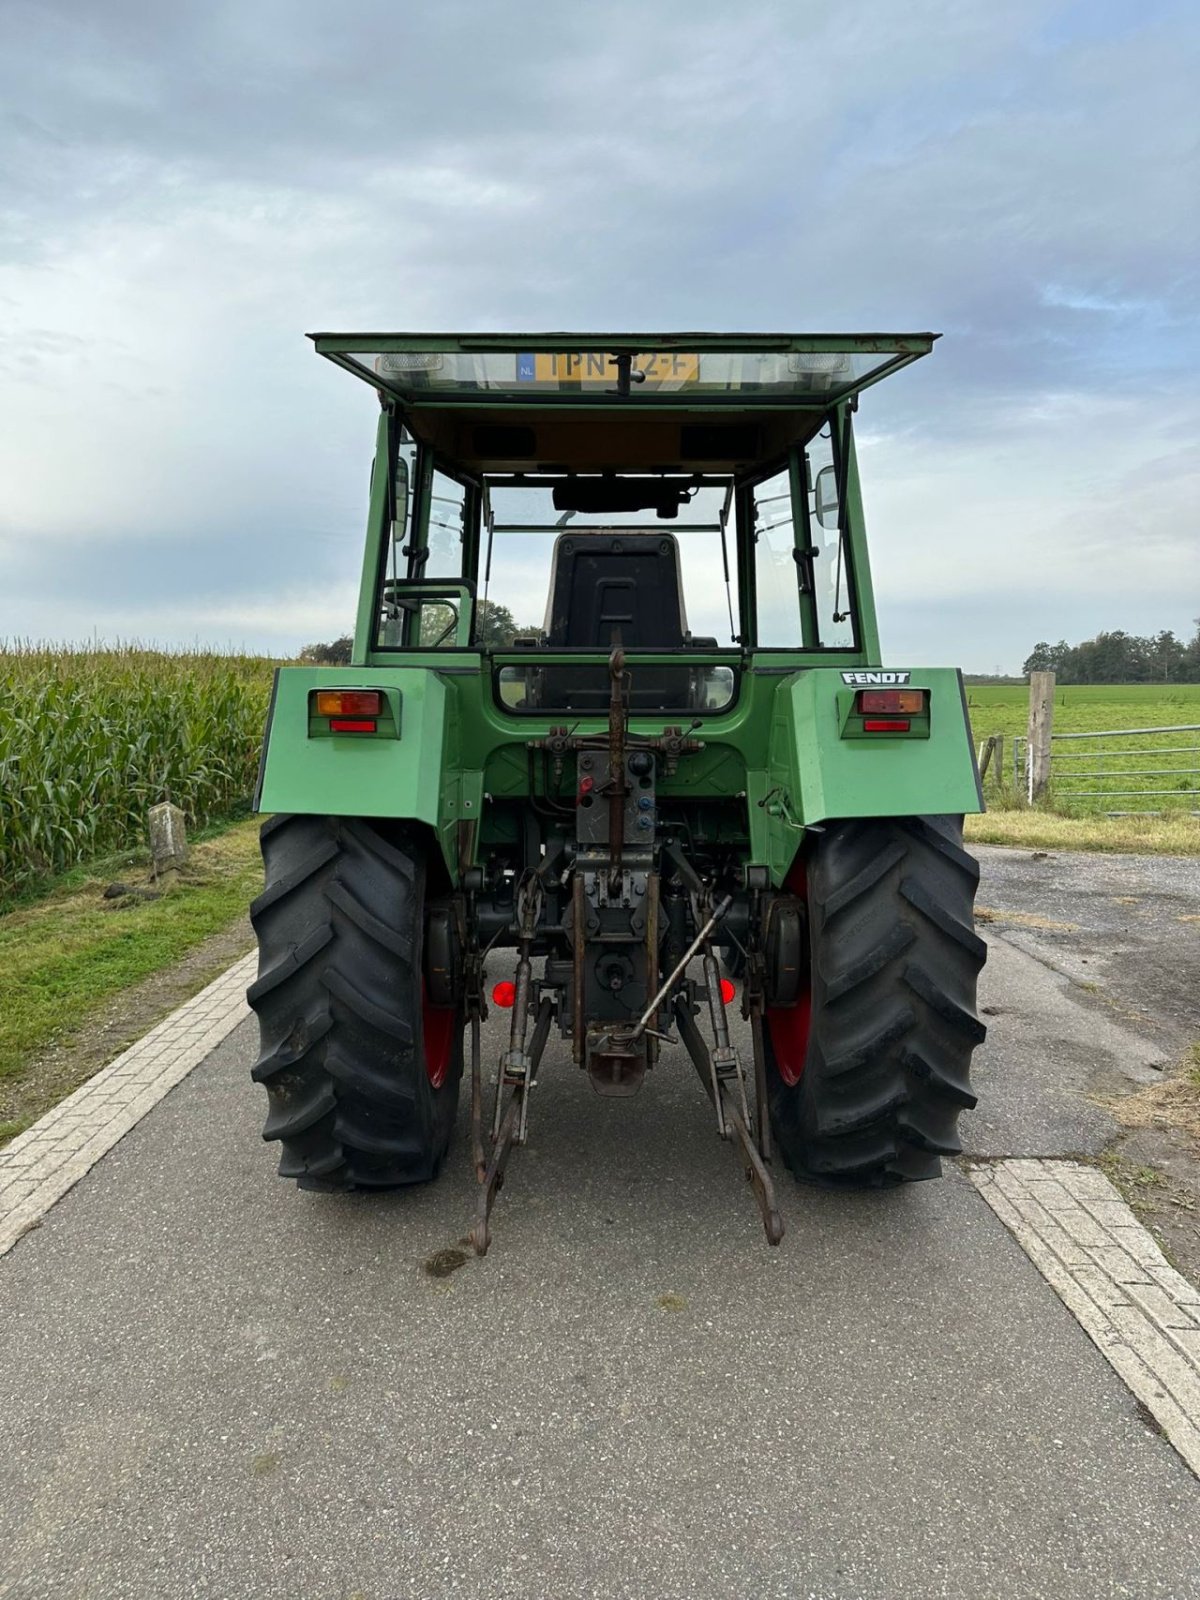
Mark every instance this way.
x=361 y=1071
x=868 y=1073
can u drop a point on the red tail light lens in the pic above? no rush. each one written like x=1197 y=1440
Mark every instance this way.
x=727 y=991
x=504 y=995
x=349 y=702
x=895 y=725
x=891 y=702
x=351 y=725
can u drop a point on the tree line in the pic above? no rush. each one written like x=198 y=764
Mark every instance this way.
x=1120 y=658
x=494 y=628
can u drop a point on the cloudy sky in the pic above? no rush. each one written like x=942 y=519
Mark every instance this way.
x=186 y=189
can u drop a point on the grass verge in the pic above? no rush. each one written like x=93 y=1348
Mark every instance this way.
x=84 y=976
x=1155 y=1163
x=1037 y=829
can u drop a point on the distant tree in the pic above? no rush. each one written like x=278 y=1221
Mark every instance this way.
x=1189 y=667
x=335 y=654
x=1120 y=657
x=1168 y=656
x=495 y=627
x=1049 y=658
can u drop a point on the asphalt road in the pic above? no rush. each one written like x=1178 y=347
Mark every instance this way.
x=217 y=1386
x=1127 y=925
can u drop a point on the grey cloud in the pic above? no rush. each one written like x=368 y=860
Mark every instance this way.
x=184 y=189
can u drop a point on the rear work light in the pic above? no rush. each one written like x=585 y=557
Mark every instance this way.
x=349 y=702
x=892 y=702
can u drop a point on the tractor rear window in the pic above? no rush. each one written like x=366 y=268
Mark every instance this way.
x=594 y=578
x=585 y=687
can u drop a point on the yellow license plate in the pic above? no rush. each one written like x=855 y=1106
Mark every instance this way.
x=662 y=370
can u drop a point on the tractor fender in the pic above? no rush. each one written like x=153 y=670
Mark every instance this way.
x=406 y=770
x=822 y=763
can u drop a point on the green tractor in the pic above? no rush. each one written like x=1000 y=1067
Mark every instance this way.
x=617 y=703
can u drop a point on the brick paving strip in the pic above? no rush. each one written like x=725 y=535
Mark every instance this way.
x=41 y=1164
x=1111 y=1275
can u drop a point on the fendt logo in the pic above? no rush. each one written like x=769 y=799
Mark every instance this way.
x=870 y=680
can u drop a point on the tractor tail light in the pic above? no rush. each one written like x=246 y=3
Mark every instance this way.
x=504 y=995
x=349 y=703
x=352 y=725
x=892 y=725
x=727 y=991
x=892 y=702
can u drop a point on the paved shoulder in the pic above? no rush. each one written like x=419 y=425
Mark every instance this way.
x=1128 y=925
x=217 y=1386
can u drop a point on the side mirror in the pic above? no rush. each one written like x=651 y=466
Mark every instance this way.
x=826 y=496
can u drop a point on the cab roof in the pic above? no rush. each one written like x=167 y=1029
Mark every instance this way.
x=612 y=401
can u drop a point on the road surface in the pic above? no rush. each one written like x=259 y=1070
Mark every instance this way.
x=217 y=1386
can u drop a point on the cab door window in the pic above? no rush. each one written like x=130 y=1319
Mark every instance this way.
x=831 y=574
x=776 y=586
x=441 y=555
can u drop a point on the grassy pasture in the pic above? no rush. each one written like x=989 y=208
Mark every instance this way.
x=1103 y=765
x=91 y=738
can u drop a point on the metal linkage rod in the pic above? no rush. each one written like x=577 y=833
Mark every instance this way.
x=731 y=1118
x=677 y=973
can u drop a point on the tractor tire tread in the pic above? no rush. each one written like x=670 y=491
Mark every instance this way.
x=893 y=1023
x=339 y=999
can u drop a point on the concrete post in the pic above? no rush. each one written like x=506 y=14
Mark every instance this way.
x=168 y=838
x=1041 y=724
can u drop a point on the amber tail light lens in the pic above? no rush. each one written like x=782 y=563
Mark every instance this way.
x=349 y=702
x=891 y=702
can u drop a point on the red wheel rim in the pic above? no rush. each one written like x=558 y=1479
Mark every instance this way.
x=789 y=1026
x=437 y=1026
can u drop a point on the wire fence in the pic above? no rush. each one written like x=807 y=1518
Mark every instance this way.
x=1156 y=767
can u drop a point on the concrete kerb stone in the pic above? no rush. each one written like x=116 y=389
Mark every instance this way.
x=1111 y=1275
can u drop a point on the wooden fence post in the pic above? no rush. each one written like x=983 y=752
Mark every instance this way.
x=1041 y=724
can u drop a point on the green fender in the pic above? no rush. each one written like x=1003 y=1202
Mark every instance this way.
x=821 y=763
x=409 y=770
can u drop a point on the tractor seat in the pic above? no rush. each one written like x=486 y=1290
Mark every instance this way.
x=612 y=589
x=616 y=588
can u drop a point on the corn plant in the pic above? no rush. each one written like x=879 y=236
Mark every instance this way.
x=91 y=738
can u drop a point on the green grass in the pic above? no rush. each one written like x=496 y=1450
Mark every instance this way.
x=1121 y=763
x=1004 y=708
x=90 y=739
x=72 y=952
x=1039 y=828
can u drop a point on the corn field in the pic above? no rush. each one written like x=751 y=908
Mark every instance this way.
x=90 y=739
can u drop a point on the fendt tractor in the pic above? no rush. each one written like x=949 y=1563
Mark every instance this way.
x=616 y=701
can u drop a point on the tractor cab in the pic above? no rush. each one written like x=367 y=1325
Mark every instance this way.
x=616 y=703
x=567 y=493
